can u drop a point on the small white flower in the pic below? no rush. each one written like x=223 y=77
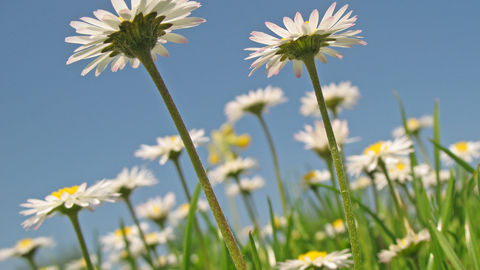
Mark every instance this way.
x=76 y=196
x=246 y=185
x=334 y=260
x=414 y=125
x=26 y=247
x=170 y=146
x=336 y=96
x=337 y=227
x=130 y=180
x=429 y=176
x=388 y=151
x=80 y=264
x=405 y=246
x=330 y=26
x=278 y=222
x=52 y=267
x=164 y=260
x=152 y=239
x=397 y=171
x=96 y=31
x=157 y=209
x=230 y=169
x=316 y=177
x=114 y=240
x=361 y=183
x=315 y=137
x=464 y=150
x=255 y=102
x=182 y=211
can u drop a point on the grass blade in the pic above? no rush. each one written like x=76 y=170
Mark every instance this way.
x=446 y=247
x=447 y=205
x=256 y=259
x=187 y=242
x=458 y=160
x=471 y=238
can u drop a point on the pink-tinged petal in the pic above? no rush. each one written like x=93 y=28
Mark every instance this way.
x=78 y=39
x=135 y=63
x=321 y=57
x=116 y=63
x=332 y=53
x=92 y=65
x=160 y=50
x=119 y=5
x=290 y=25
x=154 y=56
x=172 y=37
x=326 y=24
x=186 y=23
x=92 y=21
x=103 y=64
x=339 y=13
x=278 y=30
x=329 y=12
x=299 y=22
x=297 y=68
x=313 y=20
x=68 y=204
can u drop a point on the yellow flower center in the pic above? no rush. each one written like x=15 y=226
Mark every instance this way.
x=156 y=209
x=337 y=223
x=375 y=148
x=127 y=230
x=185 y=207
x=312 y=255
x=461 y=146
x=401 y=166
x=24 y=243
x=213 y=158
x=276 y=222
x=243 y=140
x=413 y=124
x=69 y=190
x=309 y=176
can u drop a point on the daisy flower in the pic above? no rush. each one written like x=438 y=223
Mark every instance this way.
x=315 y=36
x=334 y=260
x=52 y=267
x=464 y=150
x=278 y=222
x=127 y=181
x=429 y=176
x=231 y=169
x=109 y=38
x=26 y=247
x=405 y=247
x=114 y=240
x=337 y=227
x=316 y=177
x=79 y=264
x=361 y=183
x=246 y=185
x=170 y=147
x=315 y=137
x=336 y=96
x=255 y=102
x=157 y=209
x=414 y=125
x=398 y=170
x=224 y=143
x=182 y=211
x=152 y=239
x=388 y=151
x=67 y=200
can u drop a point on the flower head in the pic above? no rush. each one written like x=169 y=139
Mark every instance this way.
x=315 y=137
x=146 y=26
x=127 y=181
x=304 y=37
x=406 y=246
x=429 y=176
x=26 y=247
x=361 y=183
x=316 y=176
x=114 y=240
x=231 y=169
x=170 y=147
x=464 y=150
x=255 y=102
x=414 y=125
x=337 y=227
x=80 y=264
x=398 y=170
x=224 y=143
x=246 y=185
x=182 y=211
x=334 y=260
x=388 y=151
x=336 y=96
x=157 y=209
x=66 y=200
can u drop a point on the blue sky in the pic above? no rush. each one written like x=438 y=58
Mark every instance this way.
x=60 y=129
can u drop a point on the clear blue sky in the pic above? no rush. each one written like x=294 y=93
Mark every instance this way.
x=60 y=129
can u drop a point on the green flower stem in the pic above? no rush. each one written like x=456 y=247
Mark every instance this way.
x=73 y=216
x=309 y=62
x=375 y=191
x=275 y=163
x=149 y=258
x=146 y=59
x=421 y=146
x=332 y=177
x=392 y=191
x=323 y=203
x=31 y=261
x=232 y=205
x=249 y=205
x=204 y=248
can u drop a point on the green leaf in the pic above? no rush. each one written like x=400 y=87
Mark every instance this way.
x=459 y=161
x=276 y=246
x=447 y=205
x=436 y=138
x=187 y=241
x=256 y=259
x=366 y=209
x=446 y=247
x=471 y=237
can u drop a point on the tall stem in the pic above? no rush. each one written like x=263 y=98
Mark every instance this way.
x=126 y=198
x=332 y=177
x=323 y=203
x=232 y=246
x=74 y=219
x=275 y=163
x=182 y=178
x=31 y=261
x=421 y=146
x=347 y=203
x=250 y=208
